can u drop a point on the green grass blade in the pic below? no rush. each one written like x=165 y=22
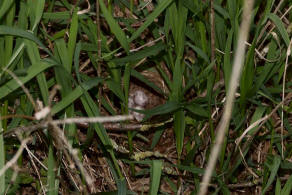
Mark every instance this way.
x=32 y=71
x=116 y=89
x=73 y=95
x=92 y=110
x=287 y=187
x=274 y=169
x=278 y=187
x=6 y=30
x=122 y=186
x=2 y=158
x=158 y=10
x=72 y=38
x=115 y=28
x=179 y=130
x=197 y=110
x=140 y=77
x=38 y=8
x=6 y=4
x=166 y=108
x=51 y=178
x=280 y=26
x=35 y=58
x=135 y=56
x=155 y=174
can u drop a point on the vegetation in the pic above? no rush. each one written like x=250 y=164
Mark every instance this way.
x=128 y=96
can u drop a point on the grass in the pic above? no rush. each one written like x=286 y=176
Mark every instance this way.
x=83 y=59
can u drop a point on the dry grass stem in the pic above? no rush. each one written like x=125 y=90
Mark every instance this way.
x=236 y=71
x=26 y=91
x=283 y=95
x=261 y=121
x=100 y=119
x=14 y=159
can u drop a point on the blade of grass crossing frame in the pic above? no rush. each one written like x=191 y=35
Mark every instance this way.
x=6 y=4
x=74 y=94
x=92 y=110
x=280 y=26
x=179 y=130
x=2 y=159
x=126 y=80
x=155 y=174
x=8 y=41
x=115 y=28
x=178 y=19
x=72 y=38
x=64 y=79
x=122 y=186
x=287 y=187
x=278 y=187
x=150 y=18
x=51 y=178
x=32 y=71
x=35 y=58
x=38 y=8
x=273 y=169
x=266 y=72
x=246 y=81
x=6 y=30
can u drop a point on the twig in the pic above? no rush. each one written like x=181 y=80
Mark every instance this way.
x=17 y=116
x=260 y=121
x=37 y=172
x=100 y=119
x=283 y=96
x=15 y=157
x=60 y=137
x=224 y=123
x=44 y=124
x=26 y=91
x=85 y=10
x=32 y=155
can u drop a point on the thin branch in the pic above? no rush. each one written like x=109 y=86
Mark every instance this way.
x=236 y=71
x=99 y=119
x=14 y=159
x=261 y=121
x=283 y=96
x=81 y=120
x=26 y=91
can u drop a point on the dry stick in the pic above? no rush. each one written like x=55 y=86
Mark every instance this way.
x=283 y=96
x=85 y=10
x=33 y=156
x=99 y=119
x=44 y=124
x=17 y=116
x=15 y=157
x=37 y=172
x=23 y=88
x=73 y=152
x=235 y=76
x=260 y=121
x=13 y=177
